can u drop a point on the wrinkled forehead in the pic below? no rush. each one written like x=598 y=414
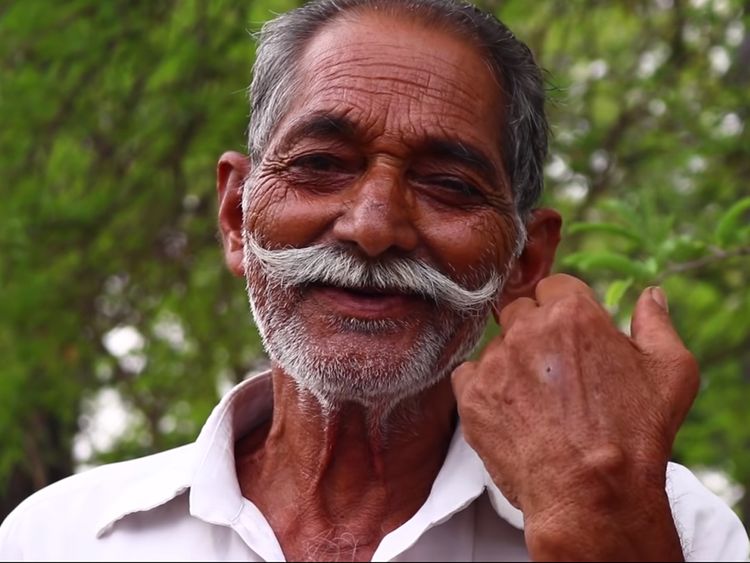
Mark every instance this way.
x=398 y=77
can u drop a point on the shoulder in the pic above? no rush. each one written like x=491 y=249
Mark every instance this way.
x=81 y=504
x=100 y=484
x=708 y=528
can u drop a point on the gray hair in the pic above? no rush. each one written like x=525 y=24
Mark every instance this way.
x=524 y=132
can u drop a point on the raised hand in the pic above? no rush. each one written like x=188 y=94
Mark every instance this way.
x=575 y=421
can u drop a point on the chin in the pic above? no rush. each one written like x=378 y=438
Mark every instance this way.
x=375 y=364
x=337 y=358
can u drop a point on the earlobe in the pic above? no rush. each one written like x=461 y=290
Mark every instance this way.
x=536 y=260
x=231 y=171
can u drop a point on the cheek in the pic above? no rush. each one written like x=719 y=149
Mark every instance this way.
x=282 y=216
x=472 y=244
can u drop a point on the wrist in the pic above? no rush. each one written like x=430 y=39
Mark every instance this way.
x=607 y=506
x=635 y=526
x=604 y=478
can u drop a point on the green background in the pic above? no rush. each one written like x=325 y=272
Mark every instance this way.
x=112 y=117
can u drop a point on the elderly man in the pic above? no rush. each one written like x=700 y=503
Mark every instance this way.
x=386 y=208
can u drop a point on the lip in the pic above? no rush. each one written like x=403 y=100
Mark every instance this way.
x=366 y=306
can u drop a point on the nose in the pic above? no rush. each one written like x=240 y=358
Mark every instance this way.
x=379 y=217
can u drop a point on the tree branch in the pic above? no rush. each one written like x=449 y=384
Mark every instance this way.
x=717 y=255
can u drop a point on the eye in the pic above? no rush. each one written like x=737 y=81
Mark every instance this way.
x=318 y=162
x=455 y=185
x=322 y=171
x=458 y=185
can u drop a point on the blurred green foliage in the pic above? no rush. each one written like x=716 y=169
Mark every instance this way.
x=113 y=114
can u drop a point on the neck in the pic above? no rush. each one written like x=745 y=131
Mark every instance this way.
x=348 y=470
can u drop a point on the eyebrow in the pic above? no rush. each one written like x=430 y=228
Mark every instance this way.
x=319 y=126
x=462 y=153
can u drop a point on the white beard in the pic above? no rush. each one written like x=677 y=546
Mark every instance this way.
x=373 y=377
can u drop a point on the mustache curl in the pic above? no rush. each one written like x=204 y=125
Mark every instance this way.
x=337 y=266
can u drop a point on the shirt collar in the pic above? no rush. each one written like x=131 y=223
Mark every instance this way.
x=215 y=494
x=146 y=490
x=207 y=468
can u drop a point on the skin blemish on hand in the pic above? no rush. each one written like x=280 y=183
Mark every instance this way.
x=550 y=370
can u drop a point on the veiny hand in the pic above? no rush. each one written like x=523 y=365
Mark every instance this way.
x=575 y=421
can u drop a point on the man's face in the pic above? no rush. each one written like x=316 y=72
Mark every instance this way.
x=389 y=151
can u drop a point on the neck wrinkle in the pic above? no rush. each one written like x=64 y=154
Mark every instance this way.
x=323 y=468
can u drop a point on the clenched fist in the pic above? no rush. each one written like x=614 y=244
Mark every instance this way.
x=575 y=421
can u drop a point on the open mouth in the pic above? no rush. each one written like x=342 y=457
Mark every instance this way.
x=367 y=302
x=372 y=292
x=365 y=291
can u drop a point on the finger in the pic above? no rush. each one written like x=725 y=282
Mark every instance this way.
x=652 y=331
x=651 y=327
x=460 y=378
x=555 y=287
x=516 y=309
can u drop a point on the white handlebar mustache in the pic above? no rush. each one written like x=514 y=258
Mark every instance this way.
x=339 y=266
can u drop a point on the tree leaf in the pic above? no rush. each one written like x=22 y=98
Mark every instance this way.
x=607 y=229
x=730 y=222
x=616 y=291
x=608 y=261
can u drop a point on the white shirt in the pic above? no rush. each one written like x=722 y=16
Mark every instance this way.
x=186 y=504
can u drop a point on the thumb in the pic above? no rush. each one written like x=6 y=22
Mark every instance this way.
x=652 y=331
x=651 y=327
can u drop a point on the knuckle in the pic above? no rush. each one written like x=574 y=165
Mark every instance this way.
x=555 y=279
x=517 y=334
x=575 y=309
x=470 y=408
x=570 y=317
x=681 y=361
x=688 y=362
x=464 y=367
x=544 y=282
x=683 y=375
x=690 y=369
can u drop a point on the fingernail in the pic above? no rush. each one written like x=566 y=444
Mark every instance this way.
x=658 y=295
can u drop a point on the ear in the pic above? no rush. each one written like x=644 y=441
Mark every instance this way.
x=231 y=172
x=535 y=262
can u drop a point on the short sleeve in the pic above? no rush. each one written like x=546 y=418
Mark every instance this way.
x=10 y=546
x=708 y=528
